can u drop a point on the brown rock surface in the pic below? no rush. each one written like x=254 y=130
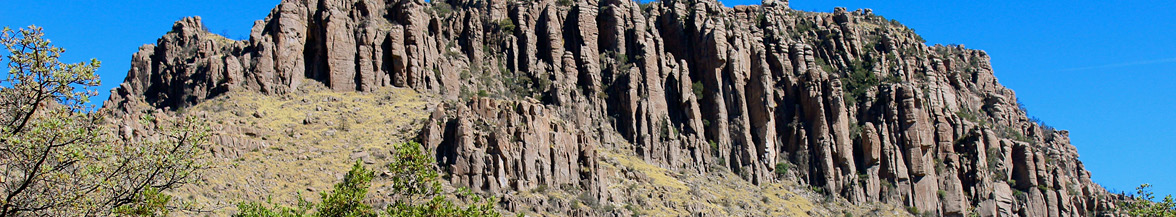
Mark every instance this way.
x=532 y=92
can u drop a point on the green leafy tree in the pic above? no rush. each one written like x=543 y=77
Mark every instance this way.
x=414 y=180
x=347 y=197
x=415 y=187
x=57 y=154
x=1144 y=204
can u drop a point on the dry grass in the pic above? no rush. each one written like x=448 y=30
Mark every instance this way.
x=299 y=143
x=660 y=192
x=655 y=191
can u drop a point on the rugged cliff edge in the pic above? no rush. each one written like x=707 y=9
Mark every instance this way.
x=529 y=93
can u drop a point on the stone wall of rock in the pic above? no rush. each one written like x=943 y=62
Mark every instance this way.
x=857 y=104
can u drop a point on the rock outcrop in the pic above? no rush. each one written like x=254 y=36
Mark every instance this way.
x=856 y=105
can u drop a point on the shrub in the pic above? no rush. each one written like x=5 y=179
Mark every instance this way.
x=623 y=62
x=667 y=130
x=564 y=3
x=1043 y=188
x=855 y=132
x=587 y=199
x=714 y=146
x=886 y=184
x=507 y=26
x=940 y=166
x=824 y=65
x=968 y=116
x=818 y=189
x=698 y=89
x=441 y=9
x=1047 y=130
x=636 y=211
x=859 y=80
x=804 y=26
x=782 y=168
x=1011 y=133
x=1022 y=107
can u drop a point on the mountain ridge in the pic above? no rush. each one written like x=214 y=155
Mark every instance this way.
x=856 y=105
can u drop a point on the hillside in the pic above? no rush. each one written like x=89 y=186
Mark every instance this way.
x=597 y=108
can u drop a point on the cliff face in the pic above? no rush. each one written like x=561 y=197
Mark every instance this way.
x=848 y=102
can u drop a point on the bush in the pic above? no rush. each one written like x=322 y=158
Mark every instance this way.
x=587 y=199
x=667 y=130
x=1021 y=106
x=940 y=166
x=887 y=184
x=698 y=89
x=564 y=3
x=507 y=26
x=441 y=9
x=1014 y=134
x=1047 y=130
x=714 y=146
x=994 y=155
x=860 y=80
x=636 y=211
x=804 y=26
x=645 y=5
x=968 y=116
x=782 y=168
x=824 y=65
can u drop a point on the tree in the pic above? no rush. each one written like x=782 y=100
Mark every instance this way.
x=415 y=188
x=1143 y=204
x=57 y=154
x=418 y=192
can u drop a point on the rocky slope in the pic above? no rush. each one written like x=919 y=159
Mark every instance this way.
x=532 y=94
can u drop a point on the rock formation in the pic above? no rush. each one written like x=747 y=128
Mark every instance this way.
x=857 y=105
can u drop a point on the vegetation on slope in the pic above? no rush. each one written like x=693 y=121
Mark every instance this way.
x=415 y=184
x=276 y=146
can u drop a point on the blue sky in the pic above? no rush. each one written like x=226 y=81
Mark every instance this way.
x=1105 y=70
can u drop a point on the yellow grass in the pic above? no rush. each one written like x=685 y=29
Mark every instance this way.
x=307 y=142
